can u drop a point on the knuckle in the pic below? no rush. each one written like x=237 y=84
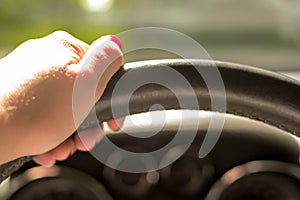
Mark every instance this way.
x=67 y=41
x=60 y=37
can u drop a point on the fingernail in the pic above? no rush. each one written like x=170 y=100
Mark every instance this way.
x=116 y=40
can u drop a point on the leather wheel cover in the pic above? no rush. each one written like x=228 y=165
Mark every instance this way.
x=250 y=92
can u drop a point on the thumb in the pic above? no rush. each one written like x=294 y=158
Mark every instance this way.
x=101 y=61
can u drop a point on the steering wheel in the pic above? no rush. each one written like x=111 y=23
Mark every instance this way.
x=245 y=163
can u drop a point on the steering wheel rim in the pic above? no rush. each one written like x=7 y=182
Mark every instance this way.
x=250 y=92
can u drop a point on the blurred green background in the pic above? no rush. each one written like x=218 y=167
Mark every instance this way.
x=265 y=33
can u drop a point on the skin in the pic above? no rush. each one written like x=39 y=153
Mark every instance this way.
x=37 y=81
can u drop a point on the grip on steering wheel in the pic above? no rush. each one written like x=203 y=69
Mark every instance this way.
x=250 y=92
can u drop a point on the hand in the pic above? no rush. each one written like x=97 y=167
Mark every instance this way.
x=36 y=88
x=85 y=142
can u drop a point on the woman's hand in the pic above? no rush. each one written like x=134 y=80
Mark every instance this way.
x=37 y=80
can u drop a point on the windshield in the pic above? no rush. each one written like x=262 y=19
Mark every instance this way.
x=260 y=33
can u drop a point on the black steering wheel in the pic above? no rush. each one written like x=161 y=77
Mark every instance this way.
x=246 y=163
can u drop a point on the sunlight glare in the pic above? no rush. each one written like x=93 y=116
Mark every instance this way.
x=98 y=5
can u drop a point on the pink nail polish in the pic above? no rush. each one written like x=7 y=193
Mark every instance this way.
x=116 y=40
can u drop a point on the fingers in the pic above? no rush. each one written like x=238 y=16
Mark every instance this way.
x=116 y=124
x=84 y=141
x=91 y=67
x=66 y=40
x=69 y=50
x=66 y=45
x=105 y=50
x=64 y=150
x=60 y=153
x=45 y=160
x=101 y=61
x=88 y=139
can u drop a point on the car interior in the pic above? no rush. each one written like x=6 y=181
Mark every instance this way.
x=209 y=91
